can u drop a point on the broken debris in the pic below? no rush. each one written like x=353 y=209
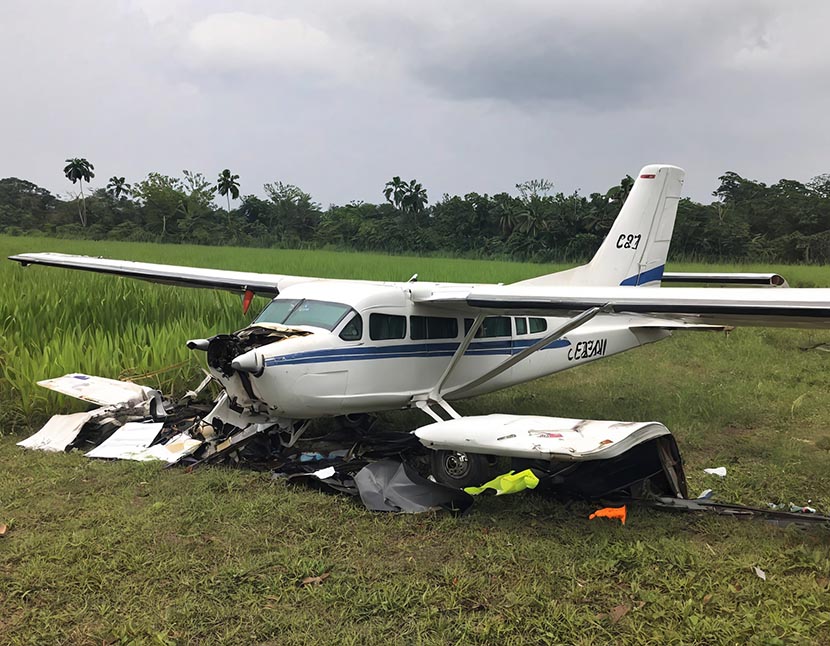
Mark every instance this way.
x=130 y=442
x=388 y=485
x=314 y=580
x=58 y=433
x=511 y=482
x=716 y=471
x=614 y=513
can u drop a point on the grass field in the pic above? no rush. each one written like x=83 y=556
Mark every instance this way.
x=99 y=552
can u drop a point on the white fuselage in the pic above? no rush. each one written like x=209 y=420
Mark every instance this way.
x=322 y=374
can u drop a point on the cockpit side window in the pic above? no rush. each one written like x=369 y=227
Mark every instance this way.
x=386 y=326
x=492 y=326
x=538 y=325
x=353 y=330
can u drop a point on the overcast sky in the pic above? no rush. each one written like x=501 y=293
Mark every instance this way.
x=476 y=95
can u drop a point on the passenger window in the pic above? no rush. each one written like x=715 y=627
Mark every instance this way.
x=386 y=326
x=521 y=326
x=353 y=330
x=538 y=325
x=432 y=327
x=492 y=326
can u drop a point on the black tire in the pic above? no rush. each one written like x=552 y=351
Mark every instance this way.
x=460 y=470
x=361 y=421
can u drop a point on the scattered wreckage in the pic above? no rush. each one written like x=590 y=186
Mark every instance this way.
x=395 y=471
x=390 y=471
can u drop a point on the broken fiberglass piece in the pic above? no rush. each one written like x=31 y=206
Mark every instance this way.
x=537 y=437
x=388 y=485
x=128 y=442
x=171 y=451
x=59 y=432
x=98 y=390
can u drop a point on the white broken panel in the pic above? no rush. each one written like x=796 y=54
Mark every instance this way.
x=538 y=437
x=128 y=442
x=171 y=451
x=58 y=433
x=98 y=390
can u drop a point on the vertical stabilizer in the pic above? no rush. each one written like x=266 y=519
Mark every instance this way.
x=635 y=250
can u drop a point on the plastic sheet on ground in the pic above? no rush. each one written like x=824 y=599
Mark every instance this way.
x=388 y=485
x=511 y=482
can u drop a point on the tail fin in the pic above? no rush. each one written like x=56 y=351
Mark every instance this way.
x=634 y=252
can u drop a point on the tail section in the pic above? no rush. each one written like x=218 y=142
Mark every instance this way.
x=635 y=250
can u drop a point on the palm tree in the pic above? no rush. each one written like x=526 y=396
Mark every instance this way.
x=409 y=199
x=79 y=169
x=415 y=199
x=395 y=192
x=229 y=187
x=118 y=186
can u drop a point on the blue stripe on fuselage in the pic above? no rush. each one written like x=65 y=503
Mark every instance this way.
x=401 y=351
x=646 y=277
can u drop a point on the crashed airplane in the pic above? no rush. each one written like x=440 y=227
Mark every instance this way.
x=347 y=348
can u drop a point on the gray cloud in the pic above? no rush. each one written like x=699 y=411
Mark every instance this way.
x=337 y=97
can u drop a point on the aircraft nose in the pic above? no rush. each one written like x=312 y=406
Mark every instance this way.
x=251 y=362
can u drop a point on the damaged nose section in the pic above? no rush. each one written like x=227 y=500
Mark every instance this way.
x=251 y=362
x=238 y=358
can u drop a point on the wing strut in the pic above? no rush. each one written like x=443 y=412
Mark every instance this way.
x=562 y=330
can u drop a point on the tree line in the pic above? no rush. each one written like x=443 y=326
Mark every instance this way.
x=788 y=221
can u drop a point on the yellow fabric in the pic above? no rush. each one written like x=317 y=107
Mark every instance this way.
x=507 y=483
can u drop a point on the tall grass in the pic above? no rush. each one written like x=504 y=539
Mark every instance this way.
x=55 y=321
x=217 y=555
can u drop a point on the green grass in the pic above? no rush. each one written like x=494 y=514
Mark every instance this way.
x=131 y=553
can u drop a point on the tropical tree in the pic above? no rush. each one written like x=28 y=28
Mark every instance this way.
x=80 y=170
x=395 y=191
x=415 y=198
x=118 y=186
x=229 y=187
x=408 y=198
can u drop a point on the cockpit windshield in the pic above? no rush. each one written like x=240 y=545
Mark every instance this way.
x=304 y=312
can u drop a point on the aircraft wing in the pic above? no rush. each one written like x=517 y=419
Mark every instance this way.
x=807 y=308
x=235 y=281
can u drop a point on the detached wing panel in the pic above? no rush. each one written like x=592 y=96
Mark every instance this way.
x=806 y=308
x=235 y=281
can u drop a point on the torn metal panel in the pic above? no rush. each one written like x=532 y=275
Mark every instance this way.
x=128 y=442
x=59 y=432
x=98 y=390
x=537 y=437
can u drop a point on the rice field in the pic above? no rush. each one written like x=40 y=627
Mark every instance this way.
x=128 y=553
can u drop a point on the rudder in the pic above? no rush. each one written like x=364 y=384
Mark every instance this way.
x=634 y=251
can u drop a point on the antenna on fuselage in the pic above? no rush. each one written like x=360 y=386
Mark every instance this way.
x=413 y=279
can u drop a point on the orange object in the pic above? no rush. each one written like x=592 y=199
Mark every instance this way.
x=246 y=300
x=610 y=512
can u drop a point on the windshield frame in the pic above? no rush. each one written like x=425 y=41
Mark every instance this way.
x=347 y=309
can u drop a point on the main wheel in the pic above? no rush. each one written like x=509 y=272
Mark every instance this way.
x=459 y=470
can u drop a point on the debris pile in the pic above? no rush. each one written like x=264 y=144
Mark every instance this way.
x=388 y=471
